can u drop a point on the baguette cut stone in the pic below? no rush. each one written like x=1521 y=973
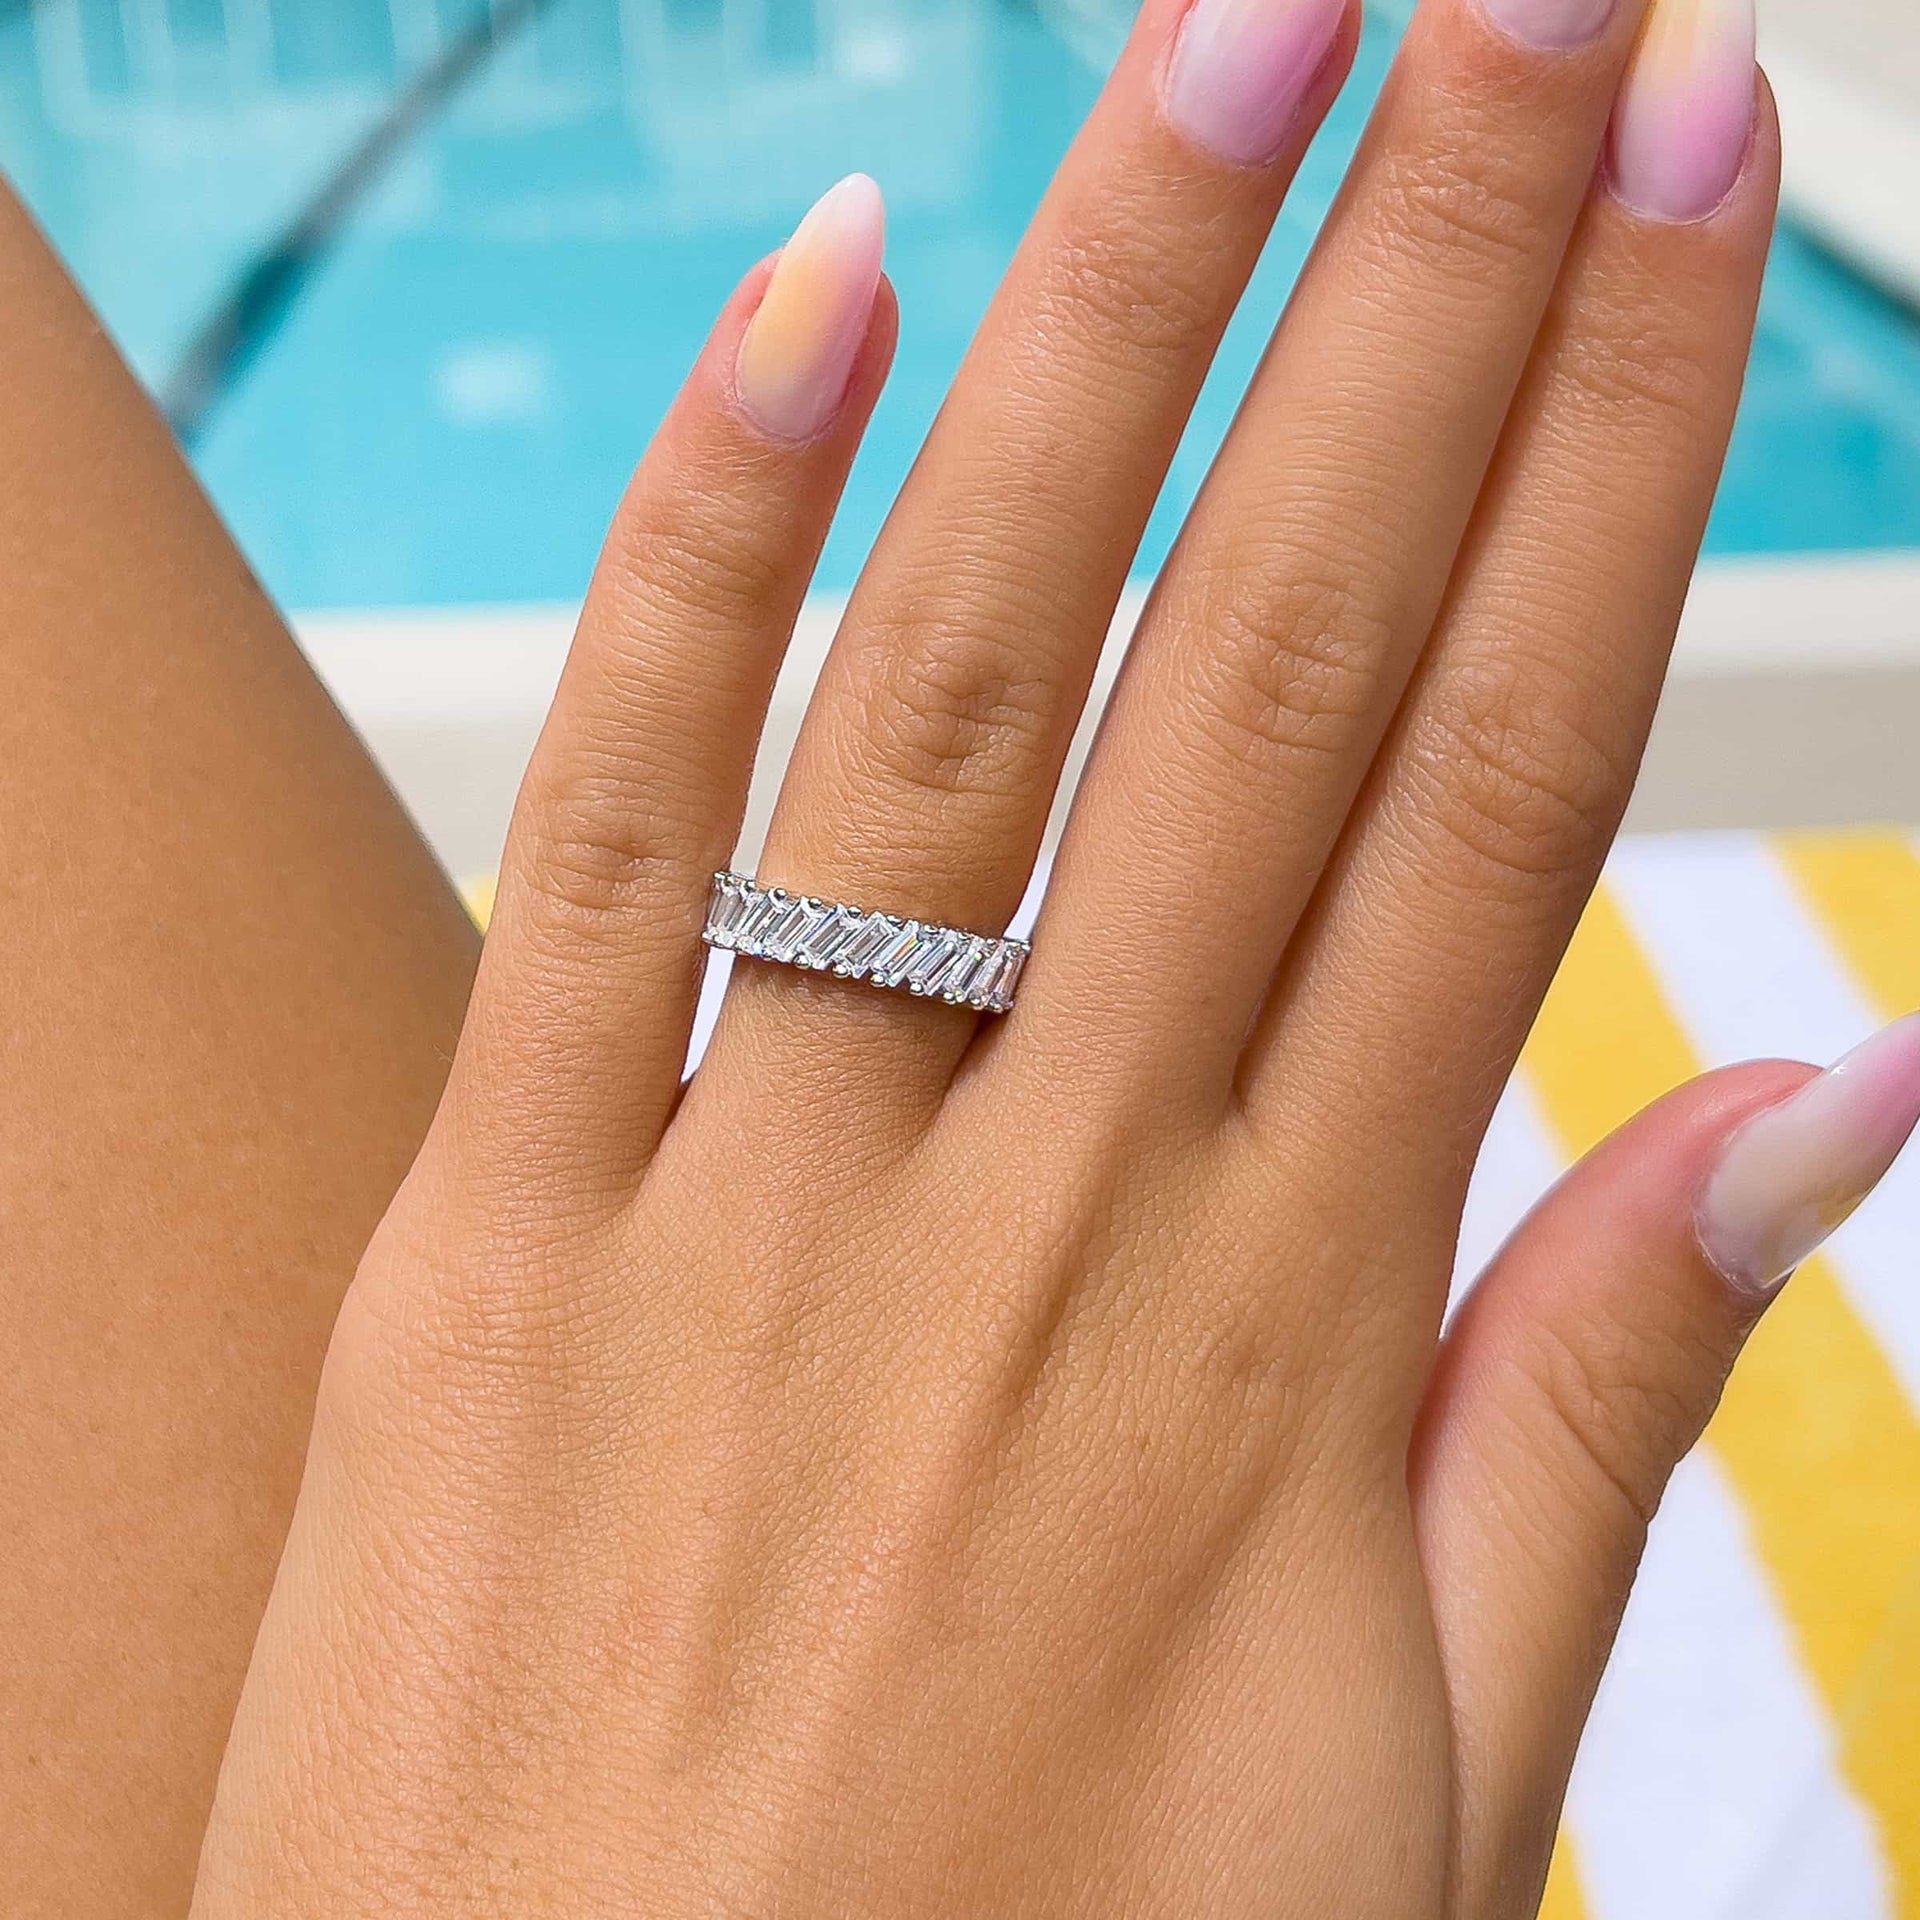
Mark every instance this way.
x=995 y=991
x=947 y=963
x=827 y=936
x=964 y=974
x=890 y=964
x=817 y=914
x=782 y=939
x=933 y=962
x=1009 y=980
x=990 y=976
x=756 y=915
x=723 y=909
x=875 y=932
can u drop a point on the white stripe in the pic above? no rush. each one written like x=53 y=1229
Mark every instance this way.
x=1750 y=972
x=713 y=988
x=1707 y=1732
x=1707 y=1735
x=1708 y=1763
x=1734 y=950
x=1517 y=1165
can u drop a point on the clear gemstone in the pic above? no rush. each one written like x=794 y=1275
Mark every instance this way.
x=782 y=940
x=826 y=936
x=959 y=984
x=890 y=964
x=991 y=973
x=756 y=915
x=819 y=914
x=964 y=969
x=874 y=932
x=724 y=910
x=1008 y=975
x=994 y=990
x=930 y=964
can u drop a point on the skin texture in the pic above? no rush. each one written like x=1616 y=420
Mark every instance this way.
x=924 y=1470
x=232 y=979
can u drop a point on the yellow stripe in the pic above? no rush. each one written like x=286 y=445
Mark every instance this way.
x=1881 y=1734
x=477 y=891
x=1864 y=890
x=1814 y=1433
x=1563 y=1899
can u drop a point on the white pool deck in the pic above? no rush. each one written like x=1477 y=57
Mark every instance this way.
x=1795 y=700
x=1847 y=75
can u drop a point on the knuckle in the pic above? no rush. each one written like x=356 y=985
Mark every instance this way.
x=1624 y=367
x=1629 y=1401
x=1514 y=777
x=705 y=558
x=605 y=853
x=1443 y=211
x=1111 y=285
x=953 y=709
x=1291 y=667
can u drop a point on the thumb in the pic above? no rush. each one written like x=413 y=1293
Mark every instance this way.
x=1579 y=1372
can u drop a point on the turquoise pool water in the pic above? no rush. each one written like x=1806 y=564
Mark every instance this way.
x=442 y=397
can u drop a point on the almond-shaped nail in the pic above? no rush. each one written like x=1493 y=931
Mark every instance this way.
x=1792 y=1176
x=1555 y=25
x=1241 y=71
x=799 y=348
x=1685 y=116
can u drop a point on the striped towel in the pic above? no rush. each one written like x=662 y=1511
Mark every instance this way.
x=1755 y=1750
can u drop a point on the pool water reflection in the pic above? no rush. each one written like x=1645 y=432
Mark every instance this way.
x=447 y=403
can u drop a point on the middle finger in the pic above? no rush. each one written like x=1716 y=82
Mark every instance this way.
x=924 y=774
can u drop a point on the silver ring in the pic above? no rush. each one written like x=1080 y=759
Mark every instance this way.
x=941 y=963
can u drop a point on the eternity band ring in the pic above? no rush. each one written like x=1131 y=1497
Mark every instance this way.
x=823 y=936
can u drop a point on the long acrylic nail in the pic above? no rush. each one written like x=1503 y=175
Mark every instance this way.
x=1791 y=1177
x=1685 y=117
x=1241 y=71
x=799 y=348
x=1556 y=25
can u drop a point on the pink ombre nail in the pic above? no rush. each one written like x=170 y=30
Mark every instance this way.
x=1791 y=1177
x=799 y=348
x=1685 y=118
x=1241 y=71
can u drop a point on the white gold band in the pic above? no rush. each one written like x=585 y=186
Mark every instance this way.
x=941 y=963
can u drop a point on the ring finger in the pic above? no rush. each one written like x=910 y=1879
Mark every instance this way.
x=923 y=776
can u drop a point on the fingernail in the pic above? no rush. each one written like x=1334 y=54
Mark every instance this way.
x=1556 y=25
x=1241 y=71
x=1789 y=1178
x=799 y=348
x=1685 y=116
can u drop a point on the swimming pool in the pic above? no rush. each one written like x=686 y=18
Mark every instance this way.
x=434 y=397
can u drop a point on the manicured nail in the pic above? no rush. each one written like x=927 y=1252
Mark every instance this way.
x=1556 y=25
x=1685 y=117
x=1241 y=71
x=800 y=346
x=1791 y=1177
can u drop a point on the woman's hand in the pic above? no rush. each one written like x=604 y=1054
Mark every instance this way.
x=939 y=1468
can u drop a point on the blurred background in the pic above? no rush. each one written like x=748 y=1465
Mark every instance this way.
x=415 y=279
